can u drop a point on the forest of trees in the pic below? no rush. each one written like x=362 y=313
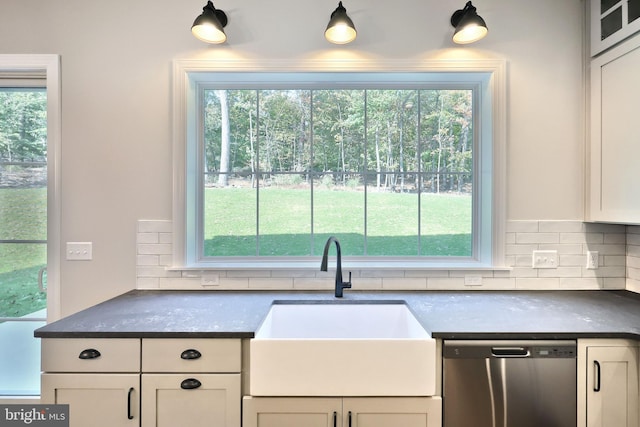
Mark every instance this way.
x=23 y=138
x=395 y=140
x=23 y=126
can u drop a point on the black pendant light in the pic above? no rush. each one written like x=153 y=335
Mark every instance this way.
x=340 y=29
x=470 y=27
x=208 y=27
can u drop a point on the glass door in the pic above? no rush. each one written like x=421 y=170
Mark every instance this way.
x=23 y=232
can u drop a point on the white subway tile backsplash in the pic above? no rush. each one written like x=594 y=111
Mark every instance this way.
x=613 y=260
x=520 y=249
x=165 y=238
x=150 y=249
x=633 y=239
x=426 y=273
x=367 y=284
x=614 y=282
x=397 y=284
x=560 y=272
x=496 y=284
x=147 y=238
x=270 y=283
x=582 y=283
x=156 y=271
x=155 y=226
x=522 y=226
x=147 y=283
x=561 y=226
x=613 y=238
x=633 y=285
x=234 y=283
x=294 y=273
x=146 y=260
x=313 y=284
x=437 y=283
x=526 y=283
x=618 y=248
x=525 y=238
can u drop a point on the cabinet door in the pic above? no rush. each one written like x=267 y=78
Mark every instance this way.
x=96 y=400
x=292 y=412
x=194 y=400
x=612 y=21
x=612 y=387
x=392 y=411
x=614 y=194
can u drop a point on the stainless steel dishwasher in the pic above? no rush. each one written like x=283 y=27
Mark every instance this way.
x=509 y=383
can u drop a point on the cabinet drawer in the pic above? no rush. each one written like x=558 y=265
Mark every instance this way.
x=195 y=400
x=191 y=355
x=90 y=355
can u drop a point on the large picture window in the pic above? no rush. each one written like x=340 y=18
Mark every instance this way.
x=397 y=165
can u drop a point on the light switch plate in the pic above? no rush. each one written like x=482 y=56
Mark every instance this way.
x=545 y=259
x=79 y=251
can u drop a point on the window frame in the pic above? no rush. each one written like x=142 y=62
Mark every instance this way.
x=487 y=75
x=44 y=69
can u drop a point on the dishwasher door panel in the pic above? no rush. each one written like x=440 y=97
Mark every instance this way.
x=509 y=392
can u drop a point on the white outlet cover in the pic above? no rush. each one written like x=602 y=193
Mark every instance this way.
x=592 y=260
x=210 y=279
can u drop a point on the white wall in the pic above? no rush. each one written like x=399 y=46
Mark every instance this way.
x=116 y=99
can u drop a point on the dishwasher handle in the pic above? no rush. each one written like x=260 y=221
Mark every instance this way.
x=510 y=352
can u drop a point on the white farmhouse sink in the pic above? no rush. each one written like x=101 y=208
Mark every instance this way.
x=342 y=349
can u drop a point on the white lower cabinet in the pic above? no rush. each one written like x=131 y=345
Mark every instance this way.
x=198 y=400
x=608 y=383
x=98 y=378
x=96 y=400
x=191 y=382
x=145 y=383
x=342 y=412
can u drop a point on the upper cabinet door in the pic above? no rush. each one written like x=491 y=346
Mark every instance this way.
x=614 y=149
x=612 y=21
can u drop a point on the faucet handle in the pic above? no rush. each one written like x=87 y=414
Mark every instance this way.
x=348 y=284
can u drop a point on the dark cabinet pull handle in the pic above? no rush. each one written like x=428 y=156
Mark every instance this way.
x=349 y=418
x=335 y=419
x=190 y=384
x=190 y=354
x=596 y=380
x=90 y=353
x=129 y=414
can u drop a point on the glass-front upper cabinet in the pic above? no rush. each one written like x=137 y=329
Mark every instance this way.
x=612 y=21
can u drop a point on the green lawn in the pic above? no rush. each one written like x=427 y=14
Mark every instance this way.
x=285 y=226
x=285 y=229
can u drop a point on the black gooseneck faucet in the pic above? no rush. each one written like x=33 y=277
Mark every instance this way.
x=340 y=285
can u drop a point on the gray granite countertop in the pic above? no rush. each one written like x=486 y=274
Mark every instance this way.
x=446 y=314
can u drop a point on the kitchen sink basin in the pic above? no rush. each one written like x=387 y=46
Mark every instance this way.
x=342 y=349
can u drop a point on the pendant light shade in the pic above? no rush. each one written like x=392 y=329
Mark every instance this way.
x=340 y=29
x=208 y=27
x=470 y=27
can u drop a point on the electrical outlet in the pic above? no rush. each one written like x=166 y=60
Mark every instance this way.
x=545 y=259
x=210 y=279
x=592 y=260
